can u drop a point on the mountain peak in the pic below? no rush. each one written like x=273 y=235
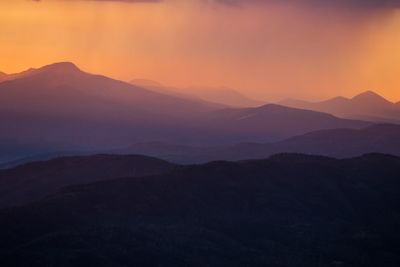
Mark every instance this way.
x=3 y=76
x=276 y=107
x=61 y=66
x=368 y=95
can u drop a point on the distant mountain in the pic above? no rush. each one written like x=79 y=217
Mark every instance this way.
x=35 y=180
x=13 y=76
x=47 y=155
x=274 y=122
x=222 y=95
x=340 y=143
x=365 y=106
x=3 y=76
x=289 y=210
x=59 y=107
x=225 y=96
x=63 y=81
x=147 y=84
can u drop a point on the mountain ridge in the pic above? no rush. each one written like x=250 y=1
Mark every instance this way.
x=222 y=95
x=252 y=213
x=33 y=181
x=60 y=108
x=338 y=143
x=367 y=105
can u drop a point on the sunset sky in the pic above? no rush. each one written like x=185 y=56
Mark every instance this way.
x=267 y=49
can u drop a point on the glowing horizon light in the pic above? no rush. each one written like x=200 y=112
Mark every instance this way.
x=268 y=52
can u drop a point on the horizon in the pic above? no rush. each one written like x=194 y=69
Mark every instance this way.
x=210 y=88
x=267 y=51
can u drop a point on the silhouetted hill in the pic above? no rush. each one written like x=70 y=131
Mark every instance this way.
x=13 y=76
x=274 y=122
x=222 y=95
x=65 y=81
x=35 y=180
x=58 y=107
x=381 y=138
x=3 y=76
x=147 y=83
x=289 y=210
x=61 y=108
x=365 y=106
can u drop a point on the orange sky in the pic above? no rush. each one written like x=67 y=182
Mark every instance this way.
x=267 y=51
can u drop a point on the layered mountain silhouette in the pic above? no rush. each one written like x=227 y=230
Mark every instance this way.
x=61 y=108
x=34 y=181
x=226 y=96
x=64 y=81
x=274 y=122
x=366 y=106
x=3 y=76
x=222 y=95
x=13 y=76
x=289 y=210
x=131 y=210
x=340 y=143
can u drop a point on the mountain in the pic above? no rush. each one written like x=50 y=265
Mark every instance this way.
x=221 y=95
x=147 y=84
x=365 y=106
x=59 y=107
x=340 y=143
x=3 y=76
x=225 y=96
x=274 y=122
x=63 y=81
x=382 y=138
x=289 y=210
x=13 y=76
x=35 y=180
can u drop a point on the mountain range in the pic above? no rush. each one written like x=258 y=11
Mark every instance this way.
x=288 y=210
x=140 y=176
x=340 y=143
x=61 y=108
x=366 y=106
x=33 y=181
x=222 y=95
x=274 y=122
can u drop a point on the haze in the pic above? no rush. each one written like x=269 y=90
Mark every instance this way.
x=267 y=51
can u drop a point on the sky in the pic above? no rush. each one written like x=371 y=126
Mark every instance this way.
x=267 y=49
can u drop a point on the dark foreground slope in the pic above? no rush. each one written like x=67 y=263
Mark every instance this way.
x=289 y=210
x=33 y=181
